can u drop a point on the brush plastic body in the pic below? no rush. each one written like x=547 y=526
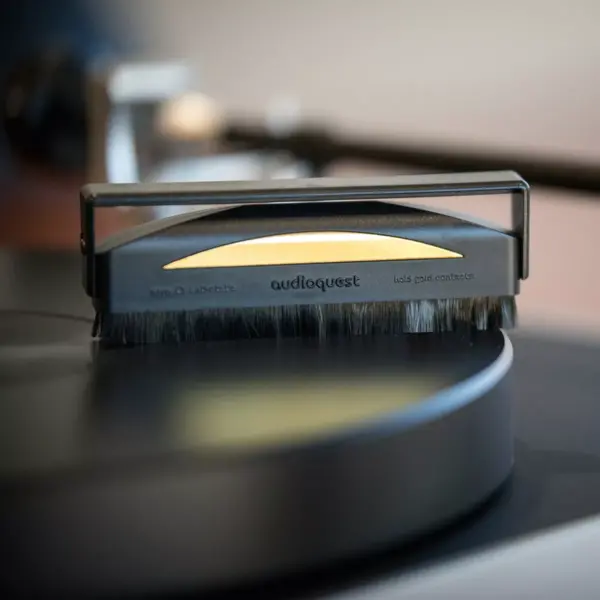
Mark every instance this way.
x=349 y=268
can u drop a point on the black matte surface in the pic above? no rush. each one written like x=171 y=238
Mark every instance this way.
x=557 y=409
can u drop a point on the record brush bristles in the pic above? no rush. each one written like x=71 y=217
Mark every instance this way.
x=320 y=321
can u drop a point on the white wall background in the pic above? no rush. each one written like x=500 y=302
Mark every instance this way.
x=517 y=73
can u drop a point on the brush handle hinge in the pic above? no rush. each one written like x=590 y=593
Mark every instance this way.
x=306 y=190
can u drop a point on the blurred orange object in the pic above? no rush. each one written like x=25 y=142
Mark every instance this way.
x=40 y=210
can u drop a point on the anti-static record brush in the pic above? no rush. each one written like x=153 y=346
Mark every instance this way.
x=324 y=257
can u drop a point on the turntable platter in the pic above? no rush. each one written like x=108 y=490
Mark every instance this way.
x=243 y=459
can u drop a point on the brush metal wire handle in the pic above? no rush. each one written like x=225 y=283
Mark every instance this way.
x=303 y=190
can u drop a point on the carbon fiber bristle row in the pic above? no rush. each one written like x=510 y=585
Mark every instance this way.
x=322 y=321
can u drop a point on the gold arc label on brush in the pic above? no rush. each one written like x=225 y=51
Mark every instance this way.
x=322 y=247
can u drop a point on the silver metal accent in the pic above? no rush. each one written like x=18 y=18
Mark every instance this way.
x=116 y=95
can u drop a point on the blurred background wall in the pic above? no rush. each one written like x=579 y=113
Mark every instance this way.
x=516 y=73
